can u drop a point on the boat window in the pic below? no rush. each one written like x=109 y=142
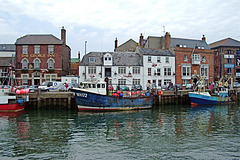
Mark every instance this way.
x=93 y=85
x=85 y=86
x=98 y=85
x=89 y=85
x=103 y=85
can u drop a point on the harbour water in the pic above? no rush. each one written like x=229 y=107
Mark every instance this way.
x=167 y=132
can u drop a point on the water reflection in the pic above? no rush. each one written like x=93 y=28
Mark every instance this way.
x=166 y=132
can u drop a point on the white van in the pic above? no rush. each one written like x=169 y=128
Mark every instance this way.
x=52 y=86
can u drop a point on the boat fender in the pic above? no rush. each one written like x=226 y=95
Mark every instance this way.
x=147 y=94
x=160 y=92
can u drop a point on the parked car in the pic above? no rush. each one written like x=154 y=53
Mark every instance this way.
x=189 y=86
x=124 y=88
x=52 y=86
x=33 y=88
x=136 y=87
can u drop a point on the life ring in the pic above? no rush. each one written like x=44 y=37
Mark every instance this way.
x=160 y=92
x=220 y=84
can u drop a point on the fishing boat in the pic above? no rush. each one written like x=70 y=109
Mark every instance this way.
x=12 y=100
x=202 y=97
x=94 y=96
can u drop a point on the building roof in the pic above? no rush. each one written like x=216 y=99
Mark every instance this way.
x=228 y=42
x=118 y=58
x=129 y=46
x=38 y=39
x=190 y=43
x=7 y=47
x=156 y=52
x=74 y=60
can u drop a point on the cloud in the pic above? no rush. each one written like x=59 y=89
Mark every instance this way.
x=93 y=20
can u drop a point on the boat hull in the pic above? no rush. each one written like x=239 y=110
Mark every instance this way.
x=197 y=98
x=87 y=101
x=15 y=107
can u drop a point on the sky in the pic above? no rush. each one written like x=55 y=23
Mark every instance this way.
x=100 y=22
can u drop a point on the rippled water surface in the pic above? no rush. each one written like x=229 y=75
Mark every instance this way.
x=168 y=132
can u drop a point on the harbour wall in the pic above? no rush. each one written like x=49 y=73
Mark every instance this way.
x=66 y=100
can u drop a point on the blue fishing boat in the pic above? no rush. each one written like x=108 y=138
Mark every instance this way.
x=94 y=96
x=202 y=97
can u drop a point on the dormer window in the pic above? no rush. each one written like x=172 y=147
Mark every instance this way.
x=182 y=45
x=91 y=59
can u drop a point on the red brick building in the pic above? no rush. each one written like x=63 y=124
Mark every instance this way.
x=41 y=57
x=226 y=58
x=194 y=58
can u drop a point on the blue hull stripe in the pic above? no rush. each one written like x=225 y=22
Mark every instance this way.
x=202 y=99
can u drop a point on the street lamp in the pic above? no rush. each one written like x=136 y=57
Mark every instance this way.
x=85 y=60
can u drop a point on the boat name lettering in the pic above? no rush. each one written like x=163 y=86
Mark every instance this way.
x=82 y=95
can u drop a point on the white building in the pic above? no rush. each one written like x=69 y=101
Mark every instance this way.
x=128 y=68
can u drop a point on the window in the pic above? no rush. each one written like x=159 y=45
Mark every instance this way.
x=121 y=70
x=50 y=63
x=136 y=81
x=229 y=70
x=185 y=58
x=121 y=81
x=24 y=79
x=91 y=59
x=204 y=71
x=229 y=60
x=167 y=71
x=158 y=73
x=25 y=50
x=36 y=49
x=159 y=83
x=149 y=71
x=204 y=59
x=4 y=72
x=47 y=77
x=167 y=60
x=136 y=70
x=91 y=70
x=186 y=71
x=149 y=59
x=185 y=81
x=53 y=77
x=36 y=63
x=196 y=57
x=24 y=64
x=50 y=49
x=215 y=61
x=159 y=59
x=228 y=51
x=167 y=81
x=238 y=52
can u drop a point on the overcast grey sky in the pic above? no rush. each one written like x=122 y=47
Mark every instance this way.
x=99 y=22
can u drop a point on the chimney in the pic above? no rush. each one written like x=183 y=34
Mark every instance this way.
x=167 y=40
x=141 y=40
x=79 y=56
x=63 y=35
x=203 y=38
x=116 y=44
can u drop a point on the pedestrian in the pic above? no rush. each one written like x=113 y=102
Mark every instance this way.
x=66 y=85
